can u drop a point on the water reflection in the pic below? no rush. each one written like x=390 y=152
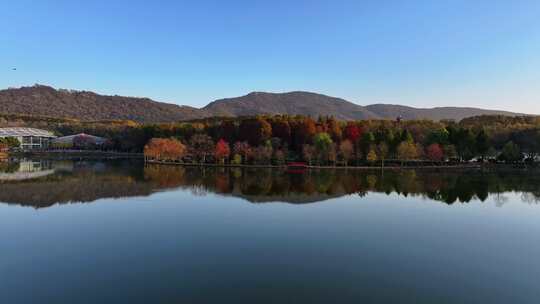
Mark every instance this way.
x=45 y=183
x=24 y=169
x=269 y=185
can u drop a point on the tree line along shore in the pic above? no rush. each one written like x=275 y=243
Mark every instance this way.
x=324 y=141
x=280 y=140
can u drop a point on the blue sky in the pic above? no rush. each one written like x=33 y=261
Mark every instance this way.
x=418 y=53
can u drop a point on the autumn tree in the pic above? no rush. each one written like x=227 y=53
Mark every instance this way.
x=201 y=146
x=243 y=149
x=334 y=129
x=305 y=131
x=420 y=151
x=371 y=156
x=281 y=129
x=308 y=152
x=332 y=154
x=228 y=131
x=164 y=149
x=279 y=156
x=255 y=131
x=450 y=152
x=434 y=152
x=222 y=150
x=352 y=132
x=406 y=151
x=262 y=154
x=382 y=152
x=346 y=150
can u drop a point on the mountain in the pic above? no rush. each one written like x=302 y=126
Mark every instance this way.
x=456 y=113
x=46 y=101
x=316 y=104
x=302 y=103
x=40 y=100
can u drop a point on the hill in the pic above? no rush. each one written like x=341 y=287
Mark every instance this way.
x=304 y=103
x=313 y=104
x=43 y=100
x=40 y=100
x=440 y=113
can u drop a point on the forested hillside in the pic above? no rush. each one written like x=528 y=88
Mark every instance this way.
x=47 y=101
x=88 y=106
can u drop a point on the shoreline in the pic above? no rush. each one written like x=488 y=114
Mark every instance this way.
x=75 y=154
x=313 y=167
x=109 y=155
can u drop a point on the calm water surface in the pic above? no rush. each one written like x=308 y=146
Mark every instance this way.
x=120 y=232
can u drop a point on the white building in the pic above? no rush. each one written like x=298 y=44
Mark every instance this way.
x=30 y=138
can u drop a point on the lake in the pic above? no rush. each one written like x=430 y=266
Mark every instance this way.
x=123 y=232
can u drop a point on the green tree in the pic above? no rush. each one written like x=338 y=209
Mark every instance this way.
x=12 y=142
x=439 y=136
x=406 y=136
x=323 y=143
x=368 y=139
x=511 y=152
x=482 y=143
x=466 y=144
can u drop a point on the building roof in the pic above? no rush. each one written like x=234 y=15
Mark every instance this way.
x=22 y=132
x=69 y=139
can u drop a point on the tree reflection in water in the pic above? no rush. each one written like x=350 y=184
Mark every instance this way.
x=266 y=185
x=90 y=181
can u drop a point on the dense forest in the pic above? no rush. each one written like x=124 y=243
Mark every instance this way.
x=322 y=141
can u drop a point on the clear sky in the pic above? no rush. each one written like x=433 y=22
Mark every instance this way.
x=418 y=53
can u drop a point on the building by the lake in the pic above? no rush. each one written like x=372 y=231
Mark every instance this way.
x=29 y=138
x=78 y=141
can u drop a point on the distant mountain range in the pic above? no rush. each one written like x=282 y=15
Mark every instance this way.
x=43 y=100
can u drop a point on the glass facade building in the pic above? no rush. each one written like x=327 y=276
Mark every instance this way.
x=29 y=138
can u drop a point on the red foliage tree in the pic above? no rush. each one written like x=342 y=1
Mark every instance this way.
x=352 y=132
x=435 y=152
x=222 y=150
